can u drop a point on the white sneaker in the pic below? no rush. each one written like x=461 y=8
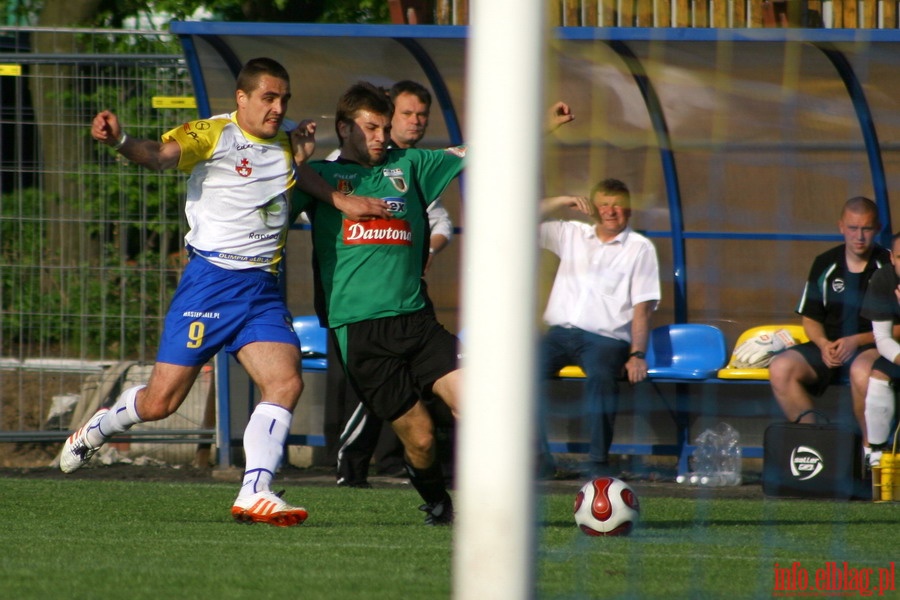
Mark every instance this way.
x=267 y=507
x=76 y=451
x=875 y=458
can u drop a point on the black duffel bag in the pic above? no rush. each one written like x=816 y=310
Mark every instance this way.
x=805 y=460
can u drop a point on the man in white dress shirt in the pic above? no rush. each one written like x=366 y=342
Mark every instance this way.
x=604 y=293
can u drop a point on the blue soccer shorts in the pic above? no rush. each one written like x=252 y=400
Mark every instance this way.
x=215 y=308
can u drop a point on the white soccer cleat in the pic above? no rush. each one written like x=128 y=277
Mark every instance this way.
x=267 y=507
x=76 y=451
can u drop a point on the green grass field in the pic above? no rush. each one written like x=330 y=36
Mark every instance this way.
x=145 y=539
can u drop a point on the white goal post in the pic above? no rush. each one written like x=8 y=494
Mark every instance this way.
x=494 y=542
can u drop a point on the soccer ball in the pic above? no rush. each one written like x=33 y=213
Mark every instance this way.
x=606 y=506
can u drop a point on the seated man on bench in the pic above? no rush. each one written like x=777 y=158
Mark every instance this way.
x=598 y=313
x=882 y=306
x=841 y=340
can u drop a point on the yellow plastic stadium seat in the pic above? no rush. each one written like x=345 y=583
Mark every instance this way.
x=571 y=371
x=732 y=372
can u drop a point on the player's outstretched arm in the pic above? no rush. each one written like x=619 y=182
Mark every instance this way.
x=558 y=115
x=303 y=141
x=106 y=129
x=355 y=208
x=361 y=208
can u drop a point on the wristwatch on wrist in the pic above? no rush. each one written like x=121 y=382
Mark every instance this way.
x=637 y=354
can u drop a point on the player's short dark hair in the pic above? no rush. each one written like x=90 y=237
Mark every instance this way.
x=362 y=96
x=611 y=187
x=253 y=69
x=862 y=205
x=411 y=87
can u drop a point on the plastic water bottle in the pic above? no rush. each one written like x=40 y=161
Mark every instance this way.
x=717 y=458
x=705 y=456
x=701 y=460
x=730 y=455
x=727 y=462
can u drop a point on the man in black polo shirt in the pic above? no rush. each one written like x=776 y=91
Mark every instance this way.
x=841 y=340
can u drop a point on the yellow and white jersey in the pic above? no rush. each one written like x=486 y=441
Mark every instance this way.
x=237 y=197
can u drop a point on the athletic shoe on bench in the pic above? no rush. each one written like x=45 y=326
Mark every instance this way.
x=76 y=451
x=267 y=507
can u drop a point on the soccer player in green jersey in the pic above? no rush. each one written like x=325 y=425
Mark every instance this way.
x=369 y=283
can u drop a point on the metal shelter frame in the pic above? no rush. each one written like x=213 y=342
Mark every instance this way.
x=216 y=50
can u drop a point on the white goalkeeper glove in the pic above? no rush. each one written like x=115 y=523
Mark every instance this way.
x=757 y=352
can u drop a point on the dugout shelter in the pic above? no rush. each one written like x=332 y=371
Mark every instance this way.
x=739 y=146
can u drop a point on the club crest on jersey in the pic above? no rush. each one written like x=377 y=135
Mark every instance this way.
x=397 y=179
x=838 y=285
x=343 y=185
x=198 y=125
x=397 y=206
x=393 y=232
x=244 y=168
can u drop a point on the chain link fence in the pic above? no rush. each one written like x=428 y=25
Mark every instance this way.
x=90 y=245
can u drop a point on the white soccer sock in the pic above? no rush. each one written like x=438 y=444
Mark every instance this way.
x=264 y=440
x=121 y=417
x=879 y=410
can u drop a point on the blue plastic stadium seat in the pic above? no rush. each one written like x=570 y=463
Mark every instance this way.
x=313 y=342
x=680 y=351
x=686 y=351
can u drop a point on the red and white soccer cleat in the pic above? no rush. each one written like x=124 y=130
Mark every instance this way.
x=267 y=507
x=76 y=451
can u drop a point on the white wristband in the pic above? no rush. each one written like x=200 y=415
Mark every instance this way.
x=121 y=141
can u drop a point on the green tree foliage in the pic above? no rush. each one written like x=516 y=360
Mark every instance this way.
x=107 y=299
x=89 y=273
x=114 y=13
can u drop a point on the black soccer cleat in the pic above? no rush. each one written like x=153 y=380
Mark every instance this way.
x=438 y=513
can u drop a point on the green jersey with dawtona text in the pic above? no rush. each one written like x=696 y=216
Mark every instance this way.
x=373 y=269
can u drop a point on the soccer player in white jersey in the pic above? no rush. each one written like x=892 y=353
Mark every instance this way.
x=242 y=169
